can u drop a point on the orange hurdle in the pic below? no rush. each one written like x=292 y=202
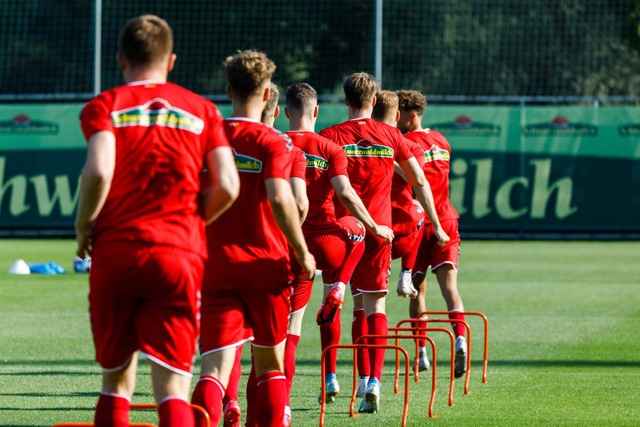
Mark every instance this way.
x=142 y=406
x=485 y=357
x=433 y=371
x=352 y=414
x=415 y=364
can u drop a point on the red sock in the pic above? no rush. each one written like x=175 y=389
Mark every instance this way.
x=234 y=378
x=329 y=335
x=252 y=389
x=290 y=361
x=409 y=259
x=175 y=412
x=420 y=325
x=208 y=394
x=377 y=326
x=111 y=411
x=270 y=398
x=355 y=251
x=358 y=329
x=458 y=328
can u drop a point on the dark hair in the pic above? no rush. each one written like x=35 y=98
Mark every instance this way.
x=145 y=40
x=301 y=97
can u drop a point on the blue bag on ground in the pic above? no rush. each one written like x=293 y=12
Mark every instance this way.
x=46 y=268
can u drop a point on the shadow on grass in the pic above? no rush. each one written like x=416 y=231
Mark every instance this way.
x=345 y=361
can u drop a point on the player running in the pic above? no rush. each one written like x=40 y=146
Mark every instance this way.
x=337 y=244
x=371 y=148
x=407 y=214
x=443 y=260
x=245 y=295
x=139 y=216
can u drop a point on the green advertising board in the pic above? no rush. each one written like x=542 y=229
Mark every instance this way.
x=515 y=171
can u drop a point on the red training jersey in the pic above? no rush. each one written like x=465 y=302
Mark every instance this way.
x=245 y=243
x=324 y=160
x=298 y=163
x=437 y=156
x=163 y=133
x=402 y=196
x=371 y=148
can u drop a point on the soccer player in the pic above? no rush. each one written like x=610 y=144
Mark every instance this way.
x=371 y=148
x=407 y=214
x=139 y=216
x=443 y=260
x=245 y=292
x=337 y=244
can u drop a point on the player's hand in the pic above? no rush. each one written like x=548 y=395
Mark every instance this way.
x=384 y=232
x=307 y=264
x=83 y=240
x=442 y=237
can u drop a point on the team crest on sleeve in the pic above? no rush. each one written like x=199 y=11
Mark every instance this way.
x=247 y=164
x=158 y=112
x=436 y=153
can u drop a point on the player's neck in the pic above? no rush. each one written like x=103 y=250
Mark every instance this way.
x=144 y=74
x=301 y=124
x=251 y=109
x=360 y=113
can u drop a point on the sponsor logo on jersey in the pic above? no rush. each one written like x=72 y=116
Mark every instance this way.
x=158 y=112
x=316 y=162
x=436 y=153
x=629 y=130
x=464 y=126
x=247 y=163
x=366 y=148
x=560 y=126
x=21 y=123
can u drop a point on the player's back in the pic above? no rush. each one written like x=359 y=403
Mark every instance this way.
x=162 y=133
x=437 y=156
x=325 y=160
x=371 y=148
x=246 y=241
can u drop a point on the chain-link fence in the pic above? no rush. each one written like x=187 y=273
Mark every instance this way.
x=451 y=50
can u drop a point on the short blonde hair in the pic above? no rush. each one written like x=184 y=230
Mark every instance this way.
x=359 y=89
x=145 y=40
x=386 y=101
x=247 y=71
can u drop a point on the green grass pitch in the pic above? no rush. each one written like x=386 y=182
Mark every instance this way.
x=564 y=342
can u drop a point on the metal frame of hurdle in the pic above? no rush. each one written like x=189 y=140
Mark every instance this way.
x=140 y=406
x=485 y=355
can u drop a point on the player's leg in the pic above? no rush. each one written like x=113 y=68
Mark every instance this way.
x=447 y=277
x=417 y=306
x=374 y=308
x=223 y=329
x=359 y=327
x=269 y=318
x=118 y=385
x=232 y=412
x=409 y=253
x=299 y=299
x=171 y=391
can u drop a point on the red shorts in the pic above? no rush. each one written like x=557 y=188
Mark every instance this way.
x=432 y=255
x=145 y=297
x=301 y=294
x=372 y=272
x=231 y=317
x=407 y=221
x=404 y=243
x=331 y=247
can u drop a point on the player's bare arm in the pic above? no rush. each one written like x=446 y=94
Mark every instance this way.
x=285 y=212
x=225 y=183
x=94 y=186
x=413 y=171
x=425 y=197
x=351 y=200
x=299 y=190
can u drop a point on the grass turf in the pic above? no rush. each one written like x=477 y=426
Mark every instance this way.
x=564 y=342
